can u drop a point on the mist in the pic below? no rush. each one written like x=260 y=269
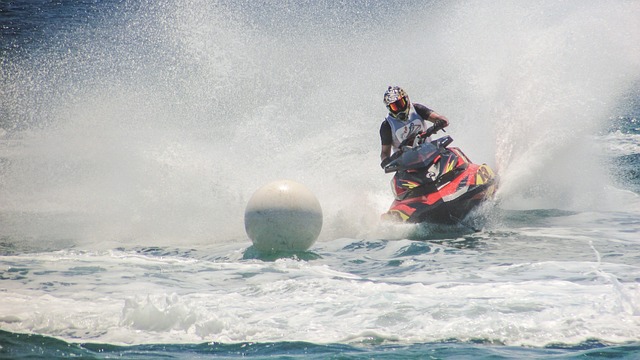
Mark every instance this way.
x=157 y=123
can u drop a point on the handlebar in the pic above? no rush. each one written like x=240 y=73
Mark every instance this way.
x=422 y=135
x=388 y=163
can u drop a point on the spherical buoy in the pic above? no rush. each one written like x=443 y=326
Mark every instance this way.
x=283 y=216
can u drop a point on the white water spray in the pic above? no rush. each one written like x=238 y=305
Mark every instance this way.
x=157 y=126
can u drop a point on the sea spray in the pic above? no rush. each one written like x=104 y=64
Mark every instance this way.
x=155 y=123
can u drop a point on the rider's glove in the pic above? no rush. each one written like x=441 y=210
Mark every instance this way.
x=441 y=123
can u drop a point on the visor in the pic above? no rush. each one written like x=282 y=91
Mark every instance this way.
x=398 y=105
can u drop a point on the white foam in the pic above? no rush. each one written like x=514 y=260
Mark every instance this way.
x=139 y=299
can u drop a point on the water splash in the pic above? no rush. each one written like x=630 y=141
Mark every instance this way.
x=159 y=121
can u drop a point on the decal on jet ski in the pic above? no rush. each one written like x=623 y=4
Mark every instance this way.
x=484 y=174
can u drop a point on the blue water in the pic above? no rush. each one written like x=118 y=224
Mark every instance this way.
x=36 y=345
x=133 y=134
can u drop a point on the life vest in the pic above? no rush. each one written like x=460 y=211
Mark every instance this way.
x=402 y=130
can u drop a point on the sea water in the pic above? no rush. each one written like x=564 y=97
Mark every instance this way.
x=133 y=133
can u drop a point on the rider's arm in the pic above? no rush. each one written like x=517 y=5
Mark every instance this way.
x=386 y=140
x=385 y=152
x=434 y=117
x=429 y=114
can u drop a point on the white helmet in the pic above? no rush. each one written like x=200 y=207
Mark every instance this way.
x=397 y=101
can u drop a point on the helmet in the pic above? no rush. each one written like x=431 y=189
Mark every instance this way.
x=397 y=101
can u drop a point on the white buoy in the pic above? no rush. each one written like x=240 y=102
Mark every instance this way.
x=283 y=216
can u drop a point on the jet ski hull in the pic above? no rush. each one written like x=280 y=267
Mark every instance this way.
x=434 y=182
x=448 y=203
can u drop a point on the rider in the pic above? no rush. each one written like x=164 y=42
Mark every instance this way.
x=404 y=121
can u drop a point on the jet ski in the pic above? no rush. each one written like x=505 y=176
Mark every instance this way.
x=435 y=183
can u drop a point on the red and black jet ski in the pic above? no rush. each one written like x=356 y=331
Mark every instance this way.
x=435 y=183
